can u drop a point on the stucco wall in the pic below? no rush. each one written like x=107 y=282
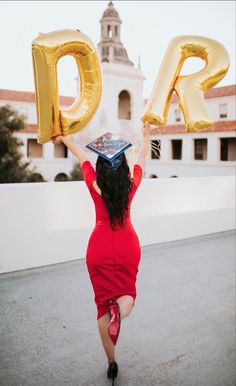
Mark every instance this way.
x=47 y=223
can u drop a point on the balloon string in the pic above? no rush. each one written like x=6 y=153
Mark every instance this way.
x=132 y=160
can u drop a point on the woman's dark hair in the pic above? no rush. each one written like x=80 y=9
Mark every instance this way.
x=115 y=186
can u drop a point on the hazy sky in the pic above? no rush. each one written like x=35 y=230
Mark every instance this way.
x=147 y=27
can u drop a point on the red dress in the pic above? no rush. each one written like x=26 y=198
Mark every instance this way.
x=112 y=256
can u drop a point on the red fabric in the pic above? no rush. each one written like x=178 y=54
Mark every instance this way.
x=112 y=257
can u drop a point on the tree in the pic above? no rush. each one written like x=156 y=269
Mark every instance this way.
x=76 y=174
x=12 y=167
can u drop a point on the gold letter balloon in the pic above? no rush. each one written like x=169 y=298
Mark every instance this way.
x=189 y=88
x=47 y=49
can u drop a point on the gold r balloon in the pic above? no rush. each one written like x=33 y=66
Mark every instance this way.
x=189 y=88
x=47 y=49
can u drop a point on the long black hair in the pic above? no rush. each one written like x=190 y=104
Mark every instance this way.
x=115 y=186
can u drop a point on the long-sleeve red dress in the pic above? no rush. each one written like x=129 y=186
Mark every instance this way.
x=112 y=256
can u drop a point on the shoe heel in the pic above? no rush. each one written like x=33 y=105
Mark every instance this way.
x=112 y=372
x=114 y=325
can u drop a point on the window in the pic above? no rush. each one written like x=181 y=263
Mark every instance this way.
x=60 y=151
x=36 y=177
x=116 y=30
x=177 y=115
x=200 y=149
x=156 y=153
x=153 y=176
x=228 y=149
x=176 y=145
x=223 y=110
x=61 y=177
x=34 y=149
x=109 y=31
x=105 y=51
x=124 y=105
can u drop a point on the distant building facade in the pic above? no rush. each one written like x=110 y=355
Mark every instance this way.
x=209 y=152
x=122 y=102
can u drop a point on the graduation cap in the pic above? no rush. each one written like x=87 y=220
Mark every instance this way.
x=111 y=147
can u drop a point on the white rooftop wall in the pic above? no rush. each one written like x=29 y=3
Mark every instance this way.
x=47 y=223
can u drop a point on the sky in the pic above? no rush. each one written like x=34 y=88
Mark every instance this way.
x=146 y=29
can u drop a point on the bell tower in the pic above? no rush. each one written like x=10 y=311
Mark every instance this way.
x=110 y=46
x=122 y=103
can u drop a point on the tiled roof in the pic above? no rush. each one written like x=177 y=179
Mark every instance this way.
x=28 y=96
x=177 y=129
x=213 y=92
x=170 y=129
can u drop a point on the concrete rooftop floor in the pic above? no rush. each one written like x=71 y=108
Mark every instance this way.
x=181 y=331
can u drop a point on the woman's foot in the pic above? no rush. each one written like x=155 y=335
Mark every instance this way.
x=114 y=325
x=112 y=371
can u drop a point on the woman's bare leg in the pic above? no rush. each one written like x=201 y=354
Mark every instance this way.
x=108 y=345
x=126 y=303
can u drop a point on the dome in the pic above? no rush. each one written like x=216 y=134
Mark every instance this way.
x=110 y=11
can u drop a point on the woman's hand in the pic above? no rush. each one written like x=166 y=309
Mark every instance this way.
x=146 y=130
x=57 y=140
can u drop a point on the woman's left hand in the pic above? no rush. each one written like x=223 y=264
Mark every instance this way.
x=57 y=140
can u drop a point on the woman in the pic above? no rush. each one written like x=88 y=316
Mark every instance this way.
x=113 y=251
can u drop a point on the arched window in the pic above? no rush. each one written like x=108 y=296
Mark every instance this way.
x=109 y=31
x=37 y=177
x=177 y=115
x=61 y=177
x=124 y=105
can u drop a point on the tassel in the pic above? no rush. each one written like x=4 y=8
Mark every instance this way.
x=132 y=159
x=156 y=148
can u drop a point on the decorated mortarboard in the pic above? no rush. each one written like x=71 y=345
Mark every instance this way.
x=110 y=146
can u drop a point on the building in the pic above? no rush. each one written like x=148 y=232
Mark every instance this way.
x=121 y=104
x=209 y=152
x=50 y=161
x=119 y=111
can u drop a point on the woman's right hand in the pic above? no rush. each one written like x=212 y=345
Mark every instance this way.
x=146 y=130
x=57 y=139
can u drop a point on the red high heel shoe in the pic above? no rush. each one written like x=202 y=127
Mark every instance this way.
x=115 y=322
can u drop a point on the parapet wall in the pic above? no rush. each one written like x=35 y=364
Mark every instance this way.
x=48 y=223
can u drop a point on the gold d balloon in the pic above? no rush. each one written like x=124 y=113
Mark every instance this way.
x=189 y=88
x=47 y=49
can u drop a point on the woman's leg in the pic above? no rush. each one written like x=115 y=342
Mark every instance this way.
x=108 y=345
x=126 y=303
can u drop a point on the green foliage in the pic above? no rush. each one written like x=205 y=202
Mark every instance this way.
x=12 y=167
x=76 y=174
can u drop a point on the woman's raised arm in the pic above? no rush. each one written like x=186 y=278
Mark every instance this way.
x=75 y=149
x=145 y=147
